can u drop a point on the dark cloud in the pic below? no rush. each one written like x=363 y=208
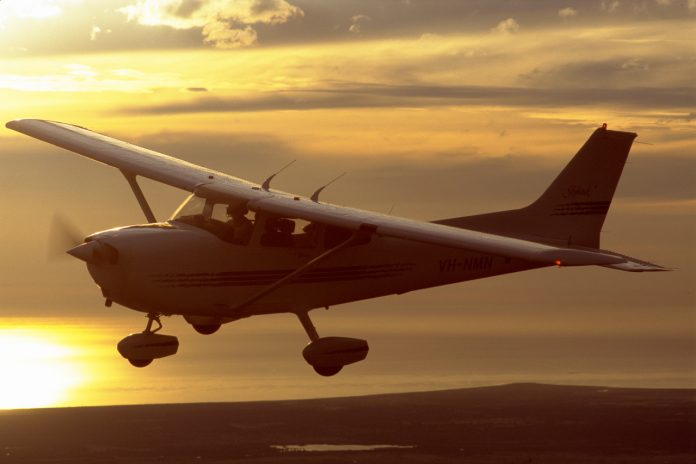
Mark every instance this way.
x=188 y=7
x=321 y=22
x=331 y=21
x=613 y=72
x=405 y=96
x=197 y=89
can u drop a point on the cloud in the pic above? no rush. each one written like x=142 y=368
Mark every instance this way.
x=507 y=26
x=223 y=24
x=96 y=31
x=273 y=11
x=423 y=96
x=567 y=12
x=357 y=22
x=178 y=24
x=648 y=71
x=610 y=5
x=34 y=10
x=220 y=35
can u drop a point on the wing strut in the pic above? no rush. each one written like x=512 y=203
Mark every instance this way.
x=133 y=182
x=360 y=236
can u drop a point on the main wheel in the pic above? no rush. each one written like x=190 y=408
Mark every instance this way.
x=327 y=371
x=206 y=329
x=140 y=362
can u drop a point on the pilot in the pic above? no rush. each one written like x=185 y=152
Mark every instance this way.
x=240 y=227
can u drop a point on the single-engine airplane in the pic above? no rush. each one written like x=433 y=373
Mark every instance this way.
x=236 y=249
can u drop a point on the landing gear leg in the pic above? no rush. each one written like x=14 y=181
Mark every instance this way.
x=152 y=317
x=308 y=326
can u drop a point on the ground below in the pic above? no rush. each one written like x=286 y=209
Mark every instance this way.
x=521 y=423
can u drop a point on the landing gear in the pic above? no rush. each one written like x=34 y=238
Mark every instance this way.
x=328 y=355
x=206 y=329
x=142 y=348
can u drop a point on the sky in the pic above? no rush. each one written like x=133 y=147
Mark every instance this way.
x=434 y=108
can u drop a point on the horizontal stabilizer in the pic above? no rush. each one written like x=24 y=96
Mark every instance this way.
x=636 y=265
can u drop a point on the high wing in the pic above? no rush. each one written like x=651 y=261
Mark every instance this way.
x=134 y=160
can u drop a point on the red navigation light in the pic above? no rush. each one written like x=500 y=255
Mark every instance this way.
x=558 y=262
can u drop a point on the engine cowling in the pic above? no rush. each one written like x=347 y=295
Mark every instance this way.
x=141 y=348
x=335 y=352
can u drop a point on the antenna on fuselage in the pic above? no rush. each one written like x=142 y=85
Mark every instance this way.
x=267 y=183
x=315 y=195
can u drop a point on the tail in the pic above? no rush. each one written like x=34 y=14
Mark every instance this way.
x=572 y=209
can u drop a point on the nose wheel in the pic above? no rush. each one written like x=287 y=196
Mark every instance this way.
x=141 y=349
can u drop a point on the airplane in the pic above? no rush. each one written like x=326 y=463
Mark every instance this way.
x=236 y=249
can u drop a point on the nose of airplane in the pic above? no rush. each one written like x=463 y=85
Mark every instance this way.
x=95 y=252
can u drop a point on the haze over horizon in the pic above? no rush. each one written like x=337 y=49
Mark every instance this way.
x=435 y=109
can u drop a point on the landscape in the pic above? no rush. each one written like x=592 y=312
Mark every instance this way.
x=516 y=423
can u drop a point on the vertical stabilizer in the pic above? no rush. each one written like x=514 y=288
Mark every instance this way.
x=573 y=208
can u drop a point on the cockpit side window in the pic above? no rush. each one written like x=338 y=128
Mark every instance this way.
x=289 y=233
x=234 y=223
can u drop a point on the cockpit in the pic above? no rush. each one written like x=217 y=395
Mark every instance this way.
x=234 y=223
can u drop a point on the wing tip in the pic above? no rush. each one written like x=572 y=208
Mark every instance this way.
x=26 y=124
x=19 y=124
x=14 y=124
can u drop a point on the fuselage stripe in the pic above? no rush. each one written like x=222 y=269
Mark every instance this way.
x=243 y=278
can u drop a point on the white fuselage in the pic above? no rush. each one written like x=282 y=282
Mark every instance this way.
x=176 y=268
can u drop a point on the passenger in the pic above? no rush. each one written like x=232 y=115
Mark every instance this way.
x=278 y=232
x=286 y=227
x=240 y=227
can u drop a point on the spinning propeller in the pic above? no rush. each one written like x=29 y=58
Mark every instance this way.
x=63 y=235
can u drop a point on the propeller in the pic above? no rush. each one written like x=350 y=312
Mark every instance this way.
x=63 y=235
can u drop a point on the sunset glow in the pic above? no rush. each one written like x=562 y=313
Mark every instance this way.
x=36 y=371
x=435 y=109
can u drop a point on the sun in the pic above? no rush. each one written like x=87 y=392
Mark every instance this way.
x=36 y=372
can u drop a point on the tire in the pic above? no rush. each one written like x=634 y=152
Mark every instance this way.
x=327 y=371
x=206 y=329
x=140 y=362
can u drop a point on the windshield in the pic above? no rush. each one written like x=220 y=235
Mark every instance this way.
x=192 y=206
